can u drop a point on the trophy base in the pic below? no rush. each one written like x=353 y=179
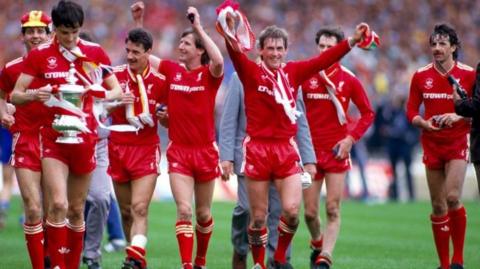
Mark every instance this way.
x=69 y=137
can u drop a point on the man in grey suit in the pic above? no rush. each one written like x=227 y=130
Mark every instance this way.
x=232 y=133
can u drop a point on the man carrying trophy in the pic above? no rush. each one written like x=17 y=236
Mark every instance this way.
x=66 y=63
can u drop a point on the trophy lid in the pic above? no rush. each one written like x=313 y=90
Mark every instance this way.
x=71 y=88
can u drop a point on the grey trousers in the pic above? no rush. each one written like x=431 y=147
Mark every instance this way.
x=241 y=218
x=98 y=204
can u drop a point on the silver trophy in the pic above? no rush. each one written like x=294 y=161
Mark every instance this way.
x=70 y=95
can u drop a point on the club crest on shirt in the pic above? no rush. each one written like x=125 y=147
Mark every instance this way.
x=123 y=85
x=313 y=83
x=52 y=62
x=178 y=76
x=149 y=88
x=199 y=77
x=429 y=83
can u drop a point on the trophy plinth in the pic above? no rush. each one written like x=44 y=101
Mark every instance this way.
x=70 y=126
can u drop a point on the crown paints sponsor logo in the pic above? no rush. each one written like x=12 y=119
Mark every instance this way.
x=318 y=96
x=51 y=75
x=185 y=88
x=433 y=96
x=52 y=62
x=429 y=83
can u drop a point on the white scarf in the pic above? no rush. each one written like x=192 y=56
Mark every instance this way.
x=331 y=88
x=242 y=38
x=138 y=119
x=282 y=92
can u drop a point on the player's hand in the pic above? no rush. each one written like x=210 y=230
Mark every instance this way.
x=44 y=93
x=7 y=120
x=344 y=147
x=134 y=121
x=230 y=19
x=146 y=119
x=11 y=109
x=447 y=119
x=430 y=125
x=456 y=97
x=310 y=168
x=162 y=115
x=196 y=17
x=360 y=32
x=227 y=169
x=138 y=10
x=128 y=98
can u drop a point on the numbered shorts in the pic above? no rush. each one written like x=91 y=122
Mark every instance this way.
x=130 y=162
x=26 y=151
x=201 y=163
x=326 y=163
x=80 y=158
x=266 y=159
x=436 y=153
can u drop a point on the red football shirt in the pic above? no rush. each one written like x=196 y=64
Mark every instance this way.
x=325 y=127
x=46 y=62
x=155 y=86
x=265 y=118
x=431 y=88
x=191 y=103
x=28 y=117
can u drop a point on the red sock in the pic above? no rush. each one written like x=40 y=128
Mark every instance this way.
x=34 y=238
x=57 y=243
x=285 y=235
x=203 y=232
x=458 y=226
x=137 y=253
x=75 y=236
x=441 y=235
x=184 y=230
x=258 y=240
x=317 y=244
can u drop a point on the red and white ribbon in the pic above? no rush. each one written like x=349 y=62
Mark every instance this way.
x=332 y=89
x=241 y=38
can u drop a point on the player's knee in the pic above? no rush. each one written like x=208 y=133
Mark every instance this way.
x=140 y=210
x=33 y=213
x=58 y=207
x=203 y=215
x=75 y=212
x=333 y=211
x=439 y=208
x=310 y=215
x=258 y=222
x=453 y=201
x=291 y=211
x=184 y=212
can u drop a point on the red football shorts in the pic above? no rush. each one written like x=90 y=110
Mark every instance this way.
x=265 y=159
x=26 y=151
x=80 y=158
x=326 y=163
x=130 y=162
x=201 y=163
x=437 y=152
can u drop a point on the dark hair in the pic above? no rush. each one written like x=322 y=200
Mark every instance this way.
x=446 y=30
x=68 y=14
x=198 y=44
x=140 y=36
x=47 y=29
x=330 y=31
x=87 y=36
x=274 y=32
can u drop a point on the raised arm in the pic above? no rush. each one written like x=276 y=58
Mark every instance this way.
x=216 y=58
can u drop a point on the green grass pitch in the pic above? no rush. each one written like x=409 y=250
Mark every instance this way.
x=386 y=236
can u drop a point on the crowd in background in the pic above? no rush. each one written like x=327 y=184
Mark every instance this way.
x=403 y=26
